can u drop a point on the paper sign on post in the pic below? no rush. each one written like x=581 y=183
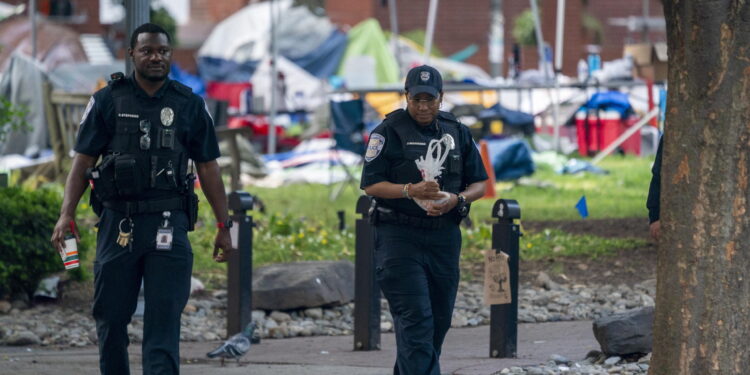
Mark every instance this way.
x=496 y=278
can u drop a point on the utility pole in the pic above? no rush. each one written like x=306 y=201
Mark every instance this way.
x=32 y=19
x=136 y=14
x=497 y=38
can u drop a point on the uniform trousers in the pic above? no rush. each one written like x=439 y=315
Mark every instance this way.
x=118 y=272
x=417 y=270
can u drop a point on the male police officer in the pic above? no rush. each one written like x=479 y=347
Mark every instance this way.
x=417 y=250
x=146 y=128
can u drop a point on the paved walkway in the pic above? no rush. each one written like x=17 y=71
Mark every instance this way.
x=466 y=352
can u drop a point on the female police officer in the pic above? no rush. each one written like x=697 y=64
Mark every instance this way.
x=417 y=250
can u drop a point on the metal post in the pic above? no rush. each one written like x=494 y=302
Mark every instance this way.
x=497 y=39
x=366 y=292
x=274 y=81
x=539 y=40
x=136 y=14
x=240 y=264
x=504 y=318
x=393 y=13
x=430 y=33
x=32 y=19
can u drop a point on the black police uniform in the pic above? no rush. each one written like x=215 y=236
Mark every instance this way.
x=116 y=121
x=416 y=255
x=654 y=189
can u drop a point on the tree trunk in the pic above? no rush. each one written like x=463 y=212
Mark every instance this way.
x=702 y=322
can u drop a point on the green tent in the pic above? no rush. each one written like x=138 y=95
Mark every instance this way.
x=367 y=39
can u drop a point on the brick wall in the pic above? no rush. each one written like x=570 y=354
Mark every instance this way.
x=463 y=22
x=213 y=11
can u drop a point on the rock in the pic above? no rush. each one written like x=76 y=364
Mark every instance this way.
x=458 y=320
x=611 y=361
x=314 y=313
x=19 y=305
x=47 y=288
x=190 y=309
x=544 y=281
x=5 y=307
x=196 y=285
x=23 y=338
x=258 y=315
x=559 y=360
x=280 y=317
x=210 y=336
x=289 y=286
x=385 y=326
x=626 y=333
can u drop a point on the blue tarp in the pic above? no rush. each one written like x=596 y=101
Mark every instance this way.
x=324 y=60
x=187 y=79
x=217 y=69
x=610 y=100
x=511 y=158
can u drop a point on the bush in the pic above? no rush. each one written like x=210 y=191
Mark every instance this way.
x=27 y=218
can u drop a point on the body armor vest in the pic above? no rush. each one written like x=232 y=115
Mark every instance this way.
x=414 y=145
x=148 y=149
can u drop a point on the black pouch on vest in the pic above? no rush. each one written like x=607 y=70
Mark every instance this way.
x=454 y=163
x=126 y=176
x=102 y=179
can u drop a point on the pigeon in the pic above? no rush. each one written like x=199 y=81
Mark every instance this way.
x=236 y=346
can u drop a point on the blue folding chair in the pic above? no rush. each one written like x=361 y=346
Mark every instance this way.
x=347 y=129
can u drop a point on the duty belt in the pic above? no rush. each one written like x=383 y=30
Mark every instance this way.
x=147 y=206
x=392 y=217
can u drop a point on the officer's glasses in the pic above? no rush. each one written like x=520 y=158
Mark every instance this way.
x=145 y=127
x=428 y=102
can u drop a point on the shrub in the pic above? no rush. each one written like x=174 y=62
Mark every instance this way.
x=27 y=218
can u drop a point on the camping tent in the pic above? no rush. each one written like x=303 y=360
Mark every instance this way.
x=56 y=44
x=236 y=45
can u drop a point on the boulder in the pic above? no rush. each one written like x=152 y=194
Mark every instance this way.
x=626 y=333
x=287 y=286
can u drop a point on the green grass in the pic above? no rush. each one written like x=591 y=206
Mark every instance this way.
x=301 y=222
x=620 y=194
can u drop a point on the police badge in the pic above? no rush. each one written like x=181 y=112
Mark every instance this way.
x=167 y=116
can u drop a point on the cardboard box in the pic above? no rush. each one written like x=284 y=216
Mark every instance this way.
x=650 y=60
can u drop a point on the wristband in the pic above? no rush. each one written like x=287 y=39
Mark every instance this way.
x=225 y=224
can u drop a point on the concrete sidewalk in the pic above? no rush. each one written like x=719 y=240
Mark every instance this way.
x=466 y=352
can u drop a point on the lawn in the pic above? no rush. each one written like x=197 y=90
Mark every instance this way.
x=301 y=222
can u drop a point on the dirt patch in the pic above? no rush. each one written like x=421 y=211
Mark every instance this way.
x=628 y=267
x=608 y=228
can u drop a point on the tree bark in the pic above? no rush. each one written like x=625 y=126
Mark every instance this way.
x=702 y=322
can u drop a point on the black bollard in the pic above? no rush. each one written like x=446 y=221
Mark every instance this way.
x=240 y=264
x=366 y=291
x=504 y=318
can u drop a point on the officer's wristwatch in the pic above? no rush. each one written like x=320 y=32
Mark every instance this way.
x=461 y=206
x=225 y=224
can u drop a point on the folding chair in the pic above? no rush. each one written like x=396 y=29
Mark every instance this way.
x=347 y=128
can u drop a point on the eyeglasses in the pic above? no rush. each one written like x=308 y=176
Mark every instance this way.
x=427 y=102
x=145 y=127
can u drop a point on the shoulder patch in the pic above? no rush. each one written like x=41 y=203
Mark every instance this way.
x=87 y=110
x=374 y=146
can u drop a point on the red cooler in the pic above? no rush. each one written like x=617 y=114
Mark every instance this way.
x=597 y=130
